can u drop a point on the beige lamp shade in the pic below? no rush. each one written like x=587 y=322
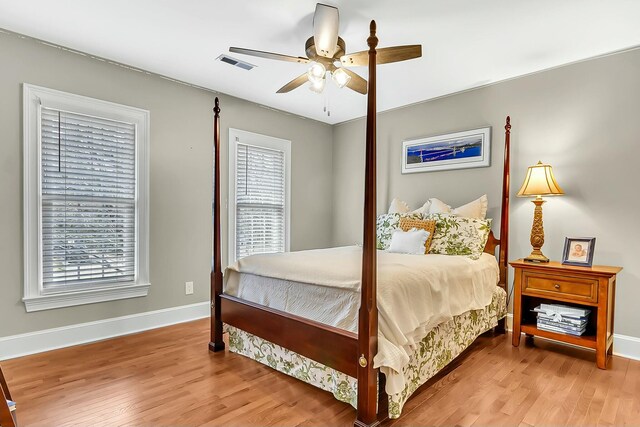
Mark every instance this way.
x=540 y=182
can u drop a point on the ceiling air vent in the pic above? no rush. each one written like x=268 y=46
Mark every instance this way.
x=235 y=62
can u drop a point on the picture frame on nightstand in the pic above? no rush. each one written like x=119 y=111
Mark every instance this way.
x=578 y=251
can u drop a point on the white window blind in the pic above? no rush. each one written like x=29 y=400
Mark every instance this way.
x=260 y=200
x=88 y=193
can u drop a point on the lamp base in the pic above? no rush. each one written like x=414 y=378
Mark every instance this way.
x=537 y=234
x=537 y=256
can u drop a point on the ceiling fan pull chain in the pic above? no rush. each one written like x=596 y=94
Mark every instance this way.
x=327 y=106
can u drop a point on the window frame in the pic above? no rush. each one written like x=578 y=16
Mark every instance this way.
x=250 y=138
x=35 y=297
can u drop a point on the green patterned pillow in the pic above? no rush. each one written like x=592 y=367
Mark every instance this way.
x=386 y=224
x=456 y=235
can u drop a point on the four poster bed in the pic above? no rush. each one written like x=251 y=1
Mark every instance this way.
x=299 y=312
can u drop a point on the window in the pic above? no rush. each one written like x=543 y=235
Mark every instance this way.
x=86 y=207
x=259 y=197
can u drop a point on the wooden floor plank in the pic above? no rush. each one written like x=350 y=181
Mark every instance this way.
x=168 y=377
x=612 y=400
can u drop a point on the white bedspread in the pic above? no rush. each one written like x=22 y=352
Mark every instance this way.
x=415 y=293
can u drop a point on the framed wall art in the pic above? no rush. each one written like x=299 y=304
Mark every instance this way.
x=459 y=150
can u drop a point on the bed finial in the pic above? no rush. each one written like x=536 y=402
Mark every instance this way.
x=372 y=41
x=507 y=127
x=216 y=109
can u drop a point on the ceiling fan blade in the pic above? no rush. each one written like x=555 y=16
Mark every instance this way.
x=326 y=23
x=293 y=84
x=269 y=55
x=399 y=53
x=384 y=55
x=356 y=83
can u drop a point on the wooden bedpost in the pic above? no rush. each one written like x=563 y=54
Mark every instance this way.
x=503 y=257
x=368 y=314
x=216 y=343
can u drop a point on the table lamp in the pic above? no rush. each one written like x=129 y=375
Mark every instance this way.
x=539 y=182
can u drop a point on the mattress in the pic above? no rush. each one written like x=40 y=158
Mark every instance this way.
x=415 y=293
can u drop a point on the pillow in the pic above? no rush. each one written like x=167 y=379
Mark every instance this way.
x=386 y=224
x=407 y=224
x=398 y=206
x=437 y=206
x=409 y=242
x=424 y=209
x=456 y=235
x=474 y=209
x=401 y=207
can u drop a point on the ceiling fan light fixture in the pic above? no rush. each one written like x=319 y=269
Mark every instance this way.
x=340 y=77
x=316 y=72
x=317 y=85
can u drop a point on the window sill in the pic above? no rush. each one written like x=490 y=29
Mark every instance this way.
x=69 y=299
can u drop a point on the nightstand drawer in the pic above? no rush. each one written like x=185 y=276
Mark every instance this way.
x=574 y=288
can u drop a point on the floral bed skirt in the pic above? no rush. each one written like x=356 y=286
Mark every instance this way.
x=443 y=344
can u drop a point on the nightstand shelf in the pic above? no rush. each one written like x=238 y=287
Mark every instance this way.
x=592 y=288
x=588 y=341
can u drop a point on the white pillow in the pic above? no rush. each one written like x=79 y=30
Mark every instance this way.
x=398 y=206
x=409 y=242
x=475 y=209
x=424 y=209
x=437 y=206
x=401 y=207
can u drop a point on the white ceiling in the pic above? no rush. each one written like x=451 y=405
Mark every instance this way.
x=466 y=43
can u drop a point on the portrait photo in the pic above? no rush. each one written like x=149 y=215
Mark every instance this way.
x=578 y=251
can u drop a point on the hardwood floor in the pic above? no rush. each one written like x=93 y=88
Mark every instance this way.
x=167 y=377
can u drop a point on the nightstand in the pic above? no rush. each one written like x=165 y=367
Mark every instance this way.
x=585 y=287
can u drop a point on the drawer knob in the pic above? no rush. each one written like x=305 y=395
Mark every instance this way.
x=557 y=286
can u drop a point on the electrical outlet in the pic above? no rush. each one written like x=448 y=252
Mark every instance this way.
x=188 y=288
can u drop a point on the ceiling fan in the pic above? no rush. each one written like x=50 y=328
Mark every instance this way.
x=326 y=53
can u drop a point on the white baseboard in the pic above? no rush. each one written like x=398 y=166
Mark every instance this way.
x=509 y=322
x=66 y=336
x=623 y=345
x=626 y=346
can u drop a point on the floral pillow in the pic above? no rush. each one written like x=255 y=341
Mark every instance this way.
x=456 y=235
x=386 y=224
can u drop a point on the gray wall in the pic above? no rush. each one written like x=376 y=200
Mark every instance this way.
x=582 y=119
x=181 y=175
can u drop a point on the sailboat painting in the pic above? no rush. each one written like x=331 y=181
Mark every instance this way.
x=460 y=150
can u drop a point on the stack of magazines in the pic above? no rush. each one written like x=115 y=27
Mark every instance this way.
x=562 y=319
